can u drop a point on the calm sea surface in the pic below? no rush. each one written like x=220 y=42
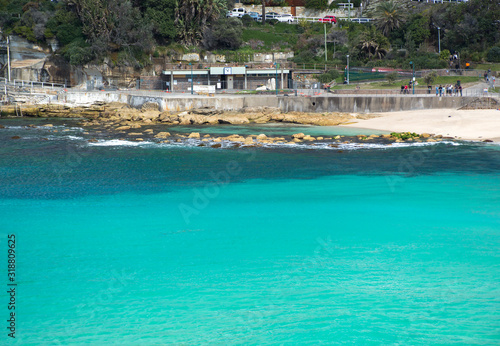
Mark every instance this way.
x=120 y=242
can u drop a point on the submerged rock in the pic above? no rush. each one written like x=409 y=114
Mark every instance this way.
x=298 y=136
x=121 y=128
x=162 y=135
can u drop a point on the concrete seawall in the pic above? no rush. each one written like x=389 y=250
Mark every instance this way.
x=369 y=104
x=328 y=103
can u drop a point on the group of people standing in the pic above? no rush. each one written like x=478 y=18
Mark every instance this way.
x=405 y=89
x=449 y=90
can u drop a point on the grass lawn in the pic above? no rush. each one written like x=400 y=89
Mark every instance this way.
x=281 y=34
x=492 y=66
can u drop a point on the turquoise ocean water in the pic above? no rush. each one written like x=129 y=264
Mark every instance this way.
x=130 y=243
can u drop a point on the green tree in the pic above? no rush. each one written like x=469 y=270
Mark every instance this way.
x=389 y=16
x=418 y=29
x=66 y=26
x=161 y=13
x=111 y=25
x=223 y=34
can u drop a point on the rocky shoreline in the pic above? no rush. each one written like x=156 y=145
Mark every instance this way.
x=127 y=123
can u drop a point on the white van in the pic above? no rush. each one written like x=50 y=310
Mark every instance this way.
x=238 y=12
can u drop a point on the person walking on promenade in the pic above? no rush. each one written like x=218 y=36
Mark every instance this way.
x=437 y=90
x=440 y=90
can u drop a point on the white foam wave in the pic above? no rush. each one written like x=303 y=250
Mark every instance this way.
x=119 y=143
x=357 y=146
x=228 y=144
x=47 y=128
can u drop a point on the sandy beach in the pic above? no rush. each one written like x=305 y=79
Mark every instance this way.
x=477 y=125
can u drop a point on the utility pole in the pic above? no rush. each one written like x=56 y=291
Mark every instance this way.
x=191 y=78
x=413 y=83
x=326 y=55
x=8 y=57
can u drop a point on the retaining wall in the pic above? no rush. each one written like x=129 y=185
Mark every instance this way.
x=330 y=103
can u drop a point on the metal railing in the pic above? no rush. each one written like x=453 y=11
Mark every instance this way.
x=441 y=1
x=31 y=84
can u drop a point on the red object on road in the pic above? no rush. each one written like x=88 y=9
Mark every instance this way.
x=328 y=19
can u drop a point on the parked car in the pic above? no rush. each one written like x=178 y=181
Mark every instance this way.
x=328 y=19
x=238 y=12
x=286 y=18
x=254 y=15
x=361 y=20
x=272 y=15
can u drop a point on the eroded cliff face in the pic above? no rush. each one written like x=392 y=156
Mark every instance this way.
x=100 y=76
x=43 y=64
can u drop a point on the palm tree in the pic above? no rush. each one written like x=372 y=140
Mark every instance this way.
x=389 y=16
x=373 y=45
x=192 y=17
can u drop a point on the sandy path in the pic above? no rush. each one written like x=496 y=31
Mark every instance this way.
x=462 y=124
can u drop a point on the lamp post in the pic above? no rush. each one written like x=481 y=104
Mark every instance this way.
x=439 y=39
x=347 y=69
x=190 y=64
x=276 y=84
x=413 y=83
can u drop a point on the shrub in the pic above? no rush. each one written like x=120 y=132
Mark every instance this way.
x=429 y=78
x=317 y=4
x=328 y=76
x=391 y=77
x=224 y=34
x=247 y=20
x=444 y=55
x=77 y=53
x=427 y=60
x=493 y=54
